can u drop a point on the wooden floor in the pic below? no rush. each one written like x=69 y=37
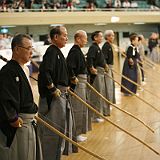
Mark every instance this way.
x=112 y=143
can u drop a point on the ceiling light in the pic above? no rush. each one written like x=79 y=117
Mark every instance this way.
x=100 y=24
x=7 y=26
x=54 y=25
x=138 y=23
x=115 y=19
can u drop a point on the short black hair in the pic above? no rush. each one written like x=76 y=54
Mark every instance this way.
x=55 y=31
x=17 y=40
x=139 y=38
x=133 y=36
x=94 y=34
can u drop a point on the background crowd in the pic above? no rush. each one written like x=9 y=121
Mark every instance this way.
x=21 y=5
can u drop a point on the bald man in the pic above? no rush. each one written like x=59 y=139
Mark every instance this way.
x=78 y=76
x=109 y=58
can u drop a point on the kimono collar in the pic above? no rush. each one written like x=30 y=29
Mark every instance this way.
x=20 y=70
x=132 y=45
x=95 y=43
x=77 y=46
x=55 y=46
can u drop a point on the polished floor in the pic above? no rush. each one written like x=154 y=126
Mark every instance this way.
x=110 y=142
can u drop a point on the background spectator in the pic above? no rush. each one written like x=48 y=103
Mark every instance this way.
x=126 y=4
x=117 y=4
x=109 y=4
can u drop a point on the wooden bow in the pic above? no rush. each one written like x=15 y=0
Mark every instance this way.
x=107 y=101
x=53 y=129
x=117 y=126
x=135 y=94
x=128 y=79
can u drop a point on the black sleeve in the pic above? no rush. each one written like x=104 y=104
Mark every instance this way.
x=129 y=52
x=9 y=96
x=105 y=51
x=48 y=66
x=91 y=56
x=72 y=62
x=152 y=44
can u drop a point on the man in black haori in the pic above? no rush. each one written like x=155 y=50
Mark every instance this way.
x=130 y=66
x=97 y=67
x=18 y=138
x=54 y=104
x=78 y=77
x=153 y=45
x=109 y=57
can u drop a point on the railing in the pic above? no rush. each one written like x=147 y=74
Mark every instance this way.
x=84 y=10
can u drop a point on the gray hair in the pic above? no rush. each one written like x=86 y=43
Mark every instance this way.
x=17 y=40
x=79 y=33
x=108 y=33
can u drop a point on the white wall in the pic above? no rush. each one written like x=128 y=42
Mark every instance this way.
x=44 y=29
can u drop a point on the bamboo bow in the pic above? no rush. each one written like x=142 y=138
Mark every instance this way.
x=40 y=120
x=135 y=95
x=107 y=101
x=117 y=126
x=135 y=83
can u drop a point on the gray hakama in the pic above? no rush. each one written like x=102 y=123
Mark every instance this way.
x=155 y=54
x=81 y=112
x=110 y=85
x=25 y=145
x=139 y=74
x=100 y=85
x=59 y=116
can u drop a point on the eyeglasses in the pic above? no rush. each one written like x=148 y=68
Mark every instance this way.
x=27 y=48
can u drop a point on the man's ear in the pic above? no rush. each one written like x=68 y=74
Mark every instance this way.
x=56 y=36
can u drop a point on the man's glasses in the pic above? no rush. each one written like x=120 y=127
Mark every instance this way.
x=27 y=48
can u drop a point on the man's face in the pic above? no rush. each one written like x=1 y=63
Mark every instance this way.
x=62 y=39
x=24 y=51
x=135 y=41
x=110 y=38
x=99 y=38
x=83 y=40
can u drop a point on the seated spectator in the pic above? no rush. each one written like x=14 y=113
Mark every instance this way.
x=3 y=5
x=57 y=4
x=109 y=4
x=126 y=4
x=91 y=5
x=45 y=4
x=27 y=4
x=134 y=4
x=63 y=3
x=153 y=4
x=117 y=4
x=70 y=5
x=19 y=5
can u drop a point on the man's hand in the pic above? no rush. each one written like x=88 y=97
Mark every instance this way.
x=18 y=123
x=106 y=68
x=93 y=70
x=131 y=62
x=57 y=93
x=75 y=80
